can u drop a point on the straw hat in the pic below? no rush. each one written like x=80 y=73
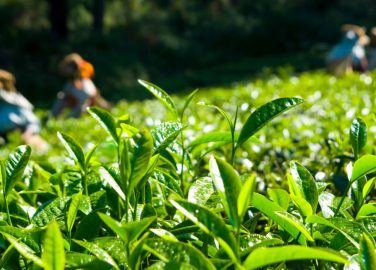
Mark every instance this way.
x=7 y=81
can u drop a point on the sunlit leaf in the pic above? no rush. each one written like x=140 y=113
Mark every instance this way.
x=161 y=95
x=140 y=158
x=265 y=256
x=363 y=166
x=53 y=255
x=170 y=251
x=127 y=232
x=15 y=166
x=100 y=253
x=279 y=196
x=112 y=182
x=106 y=120
x=358 y=135
x=164 y=134
x=200 y=191
x=246 y=195
x=323 y=221
x=75 y=260
x=210 y=224
x=367 y=210
x=228 y=185
x=293 y=221
x=187 y=102
x=264 y=114
x=74 y=149
x=49 y=211
x=270 y=209
x=305 y=185
x=73 y=209
x=24 y=250
x=367 y=255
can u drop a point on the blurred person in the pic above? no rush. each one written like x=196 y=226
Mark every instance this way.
x=349 y=54
x=371 y=50
x=79 y=91
x=16 y=113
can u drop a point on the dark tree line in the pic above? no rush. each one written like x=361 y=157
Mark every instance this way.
x=59 y=10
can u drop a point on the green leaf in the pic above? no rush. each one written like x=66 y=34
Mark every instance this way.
x=140 y=158
x=279 y=196
x=304 y=207
x=367 y=255
x=224 y=114
x=106 y=120
x=166 y=235
x=178 y=252
x=211 y=224
x=15 y=166
x=200 y=191
x=164 y=134
x=50 y=210
x=85 y=261
x=161 y=95
x=135 y=254
x=130 y=231
x=228 y=185
x=107 y=176
x=270 y=209
x=53 y=255
x=73 y=209
x=187 y=102
x=171 y=266
x=358 y=135
x=217 y=136
x=74 y=149
x=323 y=221
x=100 y=253
x=89 y=154
x=366 y=210
x=363 y=166
x=115 y=248
x=368 y=187
x=245 y=195
x=265 y=256
x=24 y=250
x=264 y=114
x=88 y=228
x=27 y=236
x=293 y=221
x=7 y=256
x=305 y=184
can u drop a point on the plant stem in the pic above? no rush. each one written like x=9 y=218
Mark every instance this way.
x=232 y=129
x=7 y=209
x=84 y=183
x=343 y=198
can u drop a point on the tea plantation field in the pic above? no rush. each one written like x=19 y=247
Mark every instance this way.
x=275 y=173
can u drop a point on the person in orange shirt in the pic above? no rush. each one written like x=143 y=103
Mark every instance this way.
x=79 y=91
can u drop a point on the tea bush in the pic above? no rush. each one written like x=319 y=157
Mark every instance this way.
x=203 y=181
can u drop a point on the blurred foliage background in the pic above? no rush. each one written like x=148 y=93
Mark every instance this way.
x=177 y=44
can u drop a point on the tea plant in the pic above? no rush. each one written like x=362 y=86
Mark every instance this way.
x=179 y=194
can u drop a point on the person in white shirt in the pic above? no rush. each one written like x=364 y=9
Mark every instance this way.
x=79 y=91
